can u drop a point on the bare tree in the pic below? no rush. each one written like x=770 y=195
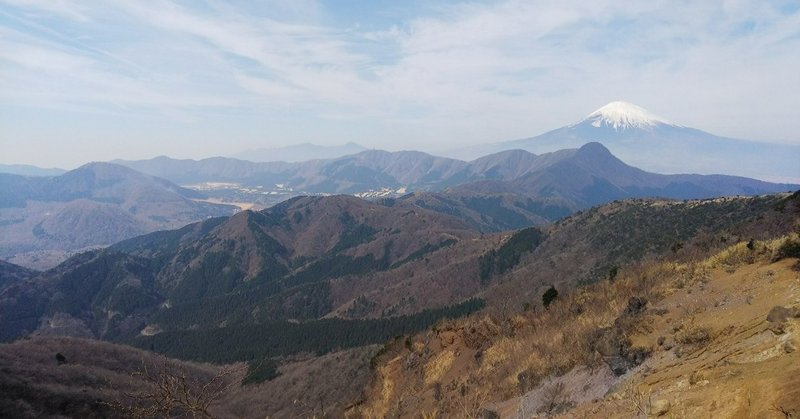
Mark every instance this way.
x=175 y=393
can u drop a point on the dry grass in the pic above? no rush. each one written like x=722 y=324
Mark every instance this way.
x=524 y=348
x=744 y=253
x=100 y=379
x=438 y=367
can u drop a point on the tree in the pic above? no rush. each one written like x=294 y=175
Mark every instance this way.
x=173 y=392
x=549 y=295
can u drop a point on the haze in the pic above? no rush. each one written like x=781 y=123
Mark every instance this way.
x=126 y=79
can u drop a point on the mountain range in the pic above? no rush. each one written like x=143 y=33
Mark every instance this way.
x=29 y=170
x=288 y=285
x=655 y=144
x=292 y=283
x=509 y=189
x=621 y=266
x=311 y=258
x=44 y=219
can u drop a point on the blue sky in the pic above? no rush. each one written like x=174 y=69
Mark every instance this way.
x=97 y=80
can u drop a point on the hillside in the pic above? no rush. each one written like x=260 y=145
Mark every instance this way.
x=713 y=337
x=293 y=261
x=10 y=274
x=100 y=379
x=670 y=279
x=45 y=218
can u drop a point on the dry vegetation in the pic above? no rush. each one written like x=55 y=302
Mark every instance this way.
x=541 y=361
x=100 y=379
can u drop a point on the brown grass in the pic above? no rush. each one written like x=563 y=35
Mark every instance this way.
x=525 y=347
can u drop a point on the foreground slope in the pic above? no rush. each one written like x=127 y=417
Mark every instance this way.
x=101 y=379
x=711 y=338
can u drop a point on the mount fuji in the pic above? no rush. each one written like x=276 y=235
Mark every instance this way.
x=653 y=143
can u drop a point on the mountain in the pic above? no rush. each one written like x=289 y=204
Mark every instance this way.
x=299 y=152
x=524 y=189
x=303 y=290
x=11 y=274
x=313 y=258
x=372 y=169
x=653 y=143
x=94 y=205
x=508 y=189
x=297 y=260
x=28 y=170
x=591 y=175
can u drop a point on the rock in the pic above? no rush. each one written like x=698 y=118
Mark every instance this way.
x=661 y=340
x=660 y=407
x=779 y=314
x=777 y=328
x=616 y=350
x=789 y=347
x=412 y=361
x=488 y=414
x=617 y=364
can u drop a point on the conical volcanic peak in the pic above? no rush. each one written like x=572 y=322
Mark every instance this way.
x=624 y=116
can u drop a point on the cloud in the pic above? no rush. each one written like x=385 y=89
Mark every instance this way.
x=453 y=72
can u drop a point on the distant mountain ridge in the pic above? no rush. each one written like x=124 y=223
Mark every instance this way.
x=509 y=189
x=653 y=143
x=29 y=170
x=94 y=205
x=375 y=169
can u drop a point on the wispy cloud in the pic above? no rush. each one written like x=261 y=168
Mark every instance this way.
x=451 y=72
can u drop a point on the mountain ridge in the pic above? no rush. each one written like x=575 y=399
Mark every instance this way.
x=44 y=219
x=655 y=144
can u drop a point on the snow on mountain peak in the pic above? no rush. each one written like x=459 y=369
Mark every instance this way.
x=623 y=115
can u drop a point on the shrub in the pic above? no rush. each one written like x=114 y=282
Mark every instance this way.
x=612 y=273
x=693 y=335
x=789 y=249
x=258 y=372
x=549 y=295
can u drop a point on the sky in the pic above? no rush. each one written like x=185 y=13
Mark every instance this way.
x=99 y=80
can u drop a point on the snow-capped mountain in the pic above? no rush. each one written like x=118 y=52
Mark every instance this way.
x=624 y=116
x=653 y=143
